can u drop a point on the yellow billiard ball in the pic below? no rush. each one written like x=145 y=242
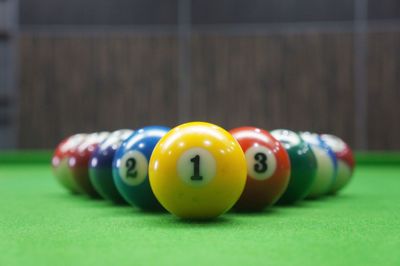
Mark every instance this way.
x=197 y=171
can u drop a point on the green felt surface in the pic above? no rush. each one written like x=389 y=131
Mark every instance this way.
x=41 y=224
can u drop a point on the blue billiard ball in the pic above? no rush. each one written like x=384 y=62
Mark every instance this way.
x=100 y=166
x=130 y=167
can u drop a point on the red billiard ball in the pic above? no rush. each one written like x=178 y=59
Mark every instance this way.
x=345 y=161
x=60 y=162
x=268 y=168
x=78 y=162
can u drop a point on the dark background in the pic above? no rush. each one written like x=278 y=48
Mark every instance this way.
x=319 y=65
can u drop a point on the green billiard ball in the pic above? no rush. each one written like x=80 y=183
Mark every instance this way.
x=303 y=165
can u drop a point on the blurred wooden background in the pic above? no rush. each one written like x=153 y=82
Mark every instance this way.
x=319 y=65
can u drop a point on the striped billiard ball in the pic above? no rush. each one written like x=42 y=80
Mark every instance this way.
x=326 y=165
x=345 y=161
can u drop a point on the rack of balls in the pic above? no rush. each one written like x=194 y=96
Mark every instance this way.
x=199 y=170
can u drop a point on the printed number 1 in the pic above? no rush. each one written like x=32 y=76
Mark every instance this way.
x=196 y=168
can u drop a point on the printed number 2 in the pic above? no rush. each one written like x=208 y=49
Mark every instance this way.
x=196 y=168
x=131 y=165
x=261 y=165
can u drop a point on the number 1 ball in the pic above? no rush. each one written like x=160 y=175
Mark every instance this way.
x=268 y=168
x=130 y=167
x=197 y=171
x=303 y=165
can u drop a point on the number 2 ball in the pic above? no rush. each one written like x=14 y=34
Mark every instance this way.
x=197 y=171
x=268 y=168
x=130 y=167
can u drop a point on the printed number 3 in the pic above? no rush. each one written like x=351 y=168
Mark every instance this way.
x=261 y=165
x=131 y=165
x=196 y=168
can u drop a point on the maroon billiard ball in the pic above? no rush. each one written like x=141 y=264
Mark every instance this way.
x=78 y=162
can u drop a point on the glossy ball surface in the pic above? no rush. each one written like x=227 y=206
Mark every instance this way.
x=303 y=165
x=60 y=162
x=197 y=171
x=78 y=162
x=326 y=165
x=130 y=167
x=268 y=168
x=100 y=166
x=345 y=161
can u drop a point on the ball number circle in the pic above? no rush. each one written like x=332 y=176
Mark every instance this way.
x=133 y=168
x=196 y=167
x=261 y=162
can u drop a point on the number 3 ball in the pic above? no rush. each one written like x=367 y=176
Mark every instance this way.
x=268 y=168
x=130 y=167
x=197 y=171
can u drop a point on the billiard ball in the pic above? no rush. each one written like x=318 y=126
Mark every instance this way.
x=130 y=167
x=60 y=162
x=345 y=161
x=100 y=166
x=268 y=168
x=197 y=171
x=303 y=165
x=78 y=162
x=326 y=165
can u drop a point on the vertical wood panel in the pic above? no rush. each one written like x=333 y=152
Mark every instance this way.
x=75 y=84
x=384 y=90
x=302 y=82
